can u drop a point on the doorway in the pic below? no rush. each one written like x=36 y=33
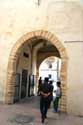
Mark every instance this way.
x=50 y=67
x=11 y=70
x=17 y=88
x=24 y=83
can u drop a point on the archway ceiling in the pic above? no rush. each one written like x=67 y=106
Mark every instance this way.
x=49 y=49
x=34 y=42
x=47 y=46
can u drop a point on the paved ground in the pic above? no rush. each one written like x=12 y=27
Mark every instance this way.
x=27 y=113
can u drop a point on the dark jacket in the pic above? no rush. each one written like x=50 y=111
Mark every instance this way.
x=46 y=88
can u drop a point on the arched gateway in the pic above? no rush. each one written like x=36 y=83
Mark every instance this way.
x=11 y=71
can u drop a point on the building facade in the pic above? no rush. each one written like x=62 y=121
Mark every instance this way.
x=27 y=25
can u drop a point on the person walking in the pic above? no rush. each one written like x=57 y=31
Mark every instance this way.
x=39 y=84
x=44 y=99
x=57 y=98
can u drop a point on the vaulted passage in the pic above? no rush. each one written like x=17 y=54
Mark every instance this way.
x=13 y=59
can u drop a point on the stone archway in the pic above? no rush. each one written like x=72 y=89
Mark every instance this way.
x=11 y=71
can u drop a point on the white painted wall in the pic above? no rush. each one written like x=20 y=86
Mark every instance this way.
x=63 y=18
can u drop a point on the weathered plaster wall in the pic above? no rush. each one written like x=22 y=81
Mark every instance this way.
x=62 y=18
x=75 y=76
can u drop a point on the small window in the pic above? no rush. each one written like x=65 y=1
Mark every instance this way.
x=50 y=65
x=26 y=55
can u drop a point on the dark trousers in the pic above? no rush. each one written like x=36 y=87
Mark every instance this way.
x=49 y=103
x=56 y=103
x=50 y=99
x=43 y=107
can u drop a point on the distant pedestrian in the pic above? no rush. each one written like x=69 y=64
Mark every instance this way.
x=39 y=84
x=58 y=96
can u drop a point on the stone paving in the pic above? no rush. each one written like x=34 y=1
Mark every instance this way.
x=27 y=112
